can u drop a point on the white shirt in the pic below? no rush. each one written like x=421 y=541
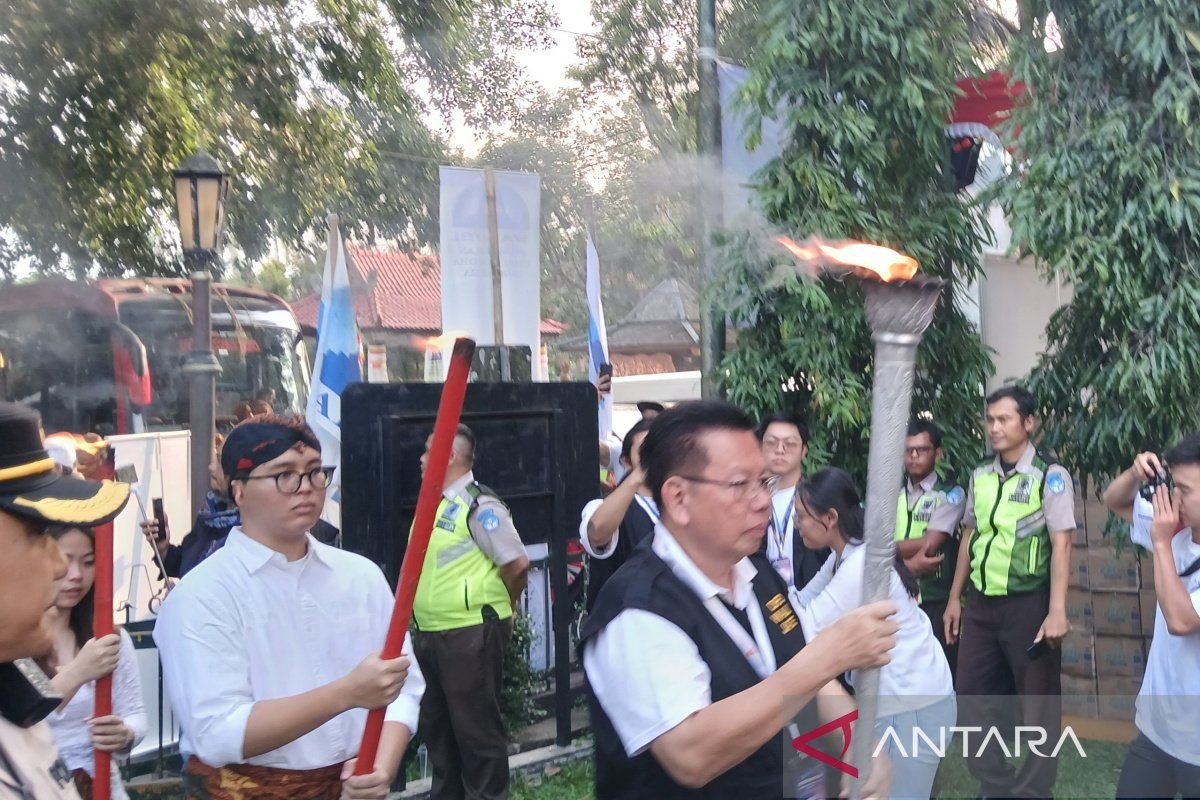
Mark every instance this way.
x=69 y=725
x=918 y=674
x=1169 y=702
x=247 y=625
x=648 y=505
x=780 y=532
x=646 y=672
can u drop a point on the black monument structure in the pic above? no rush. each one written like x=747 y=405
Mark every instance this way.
x=536 y=448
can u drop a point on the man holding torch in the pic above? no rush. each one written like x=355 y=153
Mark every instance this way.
x=267 y=646
x=694 y=656
x=1020 y=518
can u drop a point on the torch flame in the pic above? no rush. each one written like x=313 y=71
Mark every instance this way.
x=886 y=263
x=441 y=343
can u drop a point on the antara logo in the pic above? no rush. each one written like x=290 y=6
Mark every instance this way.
x=1031 y=737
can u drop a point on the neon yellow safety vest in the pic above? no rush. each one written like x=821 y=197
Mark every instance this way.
x=911 y=523
x=457 y=578
x=1010 y=548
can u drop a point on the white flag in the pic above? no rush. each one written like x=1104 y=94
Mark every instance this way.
x=597 y=335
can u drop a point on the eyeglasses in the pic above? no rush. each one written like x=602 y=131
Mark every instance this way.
x=918 y=451
x=743 y=489
x=289 y=482
x=788 y=445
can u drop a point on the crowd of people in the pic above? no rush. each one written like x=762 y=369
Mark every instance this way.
x=725 y=619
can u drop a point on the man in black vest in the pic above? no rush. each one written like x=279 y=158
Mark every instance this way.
x=694 y=657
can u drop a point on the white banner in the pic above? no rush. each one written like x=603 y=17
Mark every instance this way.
x=466 y=256
x=738 y=164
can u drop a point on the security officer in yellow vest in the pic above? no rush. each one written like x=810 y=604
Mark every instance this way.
x=1018 y=527
x=472 y=578
x=930 y=511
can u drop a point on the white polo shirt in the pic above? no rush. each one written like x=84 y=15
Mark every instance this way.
x=1168 y=706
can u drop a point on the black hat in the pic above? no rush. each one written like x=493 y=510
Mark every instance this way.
x=650 y=405
x=30 y=486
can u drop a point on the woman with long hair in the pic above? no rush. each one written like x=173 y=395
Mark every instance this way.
x=915 y=689
x=78 y=659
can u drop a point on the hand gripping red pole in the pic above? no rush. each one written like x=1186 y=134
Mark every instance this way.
x=102 y=625
x=448 y=415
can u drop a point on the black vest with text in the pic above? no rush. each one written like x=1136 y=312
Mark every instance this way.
x=636 y=527
x=647 y=583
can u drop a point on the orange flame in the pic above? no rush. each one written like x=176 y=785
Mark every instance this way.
x=441 y=343
x=889 y=265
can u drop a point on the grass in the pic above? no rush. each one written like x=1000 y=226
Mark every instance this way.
x=1078 y=778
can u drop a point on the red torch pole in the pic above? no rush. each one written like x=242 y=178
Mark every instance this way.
x=102 y=625
x=448 y=415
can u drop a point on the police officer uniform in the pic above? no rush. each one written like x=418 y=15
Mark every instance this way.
x=1013 y=511
x=463 y=618
x=933 y=504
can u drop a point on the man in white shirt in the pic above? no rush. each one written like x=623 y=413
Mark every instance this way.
x=269 y=646
x=784 y=445
x=1164 y=759
x=694 y=657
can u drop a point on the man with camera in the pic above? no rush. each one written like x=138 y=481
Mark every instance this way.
x=1161 y=500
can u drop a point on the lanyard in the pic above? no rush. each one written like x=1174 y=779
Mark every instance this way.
x=649 y=507
x=758 y=651
x=780 y=529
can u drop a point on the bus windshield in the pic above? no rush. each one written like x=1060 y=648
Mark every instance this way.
x=67 y=362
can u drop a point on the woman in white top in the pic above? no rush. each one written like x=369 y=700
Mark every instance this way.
x=916 y=692
x=78 y=659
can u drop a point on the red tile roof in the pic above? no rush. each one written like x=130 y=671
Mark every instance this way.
x=395 y=291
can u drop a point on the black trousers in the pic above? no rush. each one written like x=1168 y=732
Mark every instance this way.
x=935 y=609
x=460 y=713
x=1150 y=772
x=992 y=667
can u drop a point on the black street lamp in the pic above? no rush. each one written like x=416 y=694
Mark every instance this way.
x=201 y=187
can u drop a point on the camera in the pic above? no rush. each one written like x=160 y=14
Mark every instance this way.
x=1163 y=478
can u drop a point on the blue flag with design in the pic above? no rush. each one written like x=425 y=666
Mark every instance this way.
x=339 y=357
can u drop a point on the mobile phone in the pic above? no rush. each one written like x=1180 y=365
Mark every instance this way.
x=604 y=369
x=1037 y=650
x=160 y=517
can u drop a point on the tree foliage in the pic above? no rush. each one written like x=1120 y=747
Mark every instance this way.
x=306 y=103
x=1108 y=198
x=866 y=89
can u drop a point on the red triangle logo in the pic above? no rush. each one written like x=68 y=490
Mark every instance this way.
x=801 y=743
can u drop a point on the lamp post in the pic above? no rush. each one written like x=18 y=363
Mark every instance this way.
x=201 y=187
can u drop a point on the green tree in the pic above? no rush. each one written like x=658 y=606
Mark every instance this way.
x=305 y=102
x=1108 y=198
x=867 y=88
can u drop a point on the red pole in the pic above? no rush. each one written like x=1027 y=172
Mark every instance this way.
x=444 y=428
x=102 y=625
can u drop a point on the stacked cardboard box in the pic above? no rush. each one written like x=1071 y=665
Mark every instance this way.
x=1120 y=615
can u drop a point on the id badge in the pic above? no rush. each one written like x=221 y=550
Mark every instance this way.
x=783 y=566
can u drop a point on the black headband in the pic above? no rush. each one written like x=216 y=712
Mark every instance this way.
x=252 y=444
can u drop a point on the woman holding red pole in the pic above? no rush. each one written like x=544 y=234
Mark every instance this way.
x=78 y=660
